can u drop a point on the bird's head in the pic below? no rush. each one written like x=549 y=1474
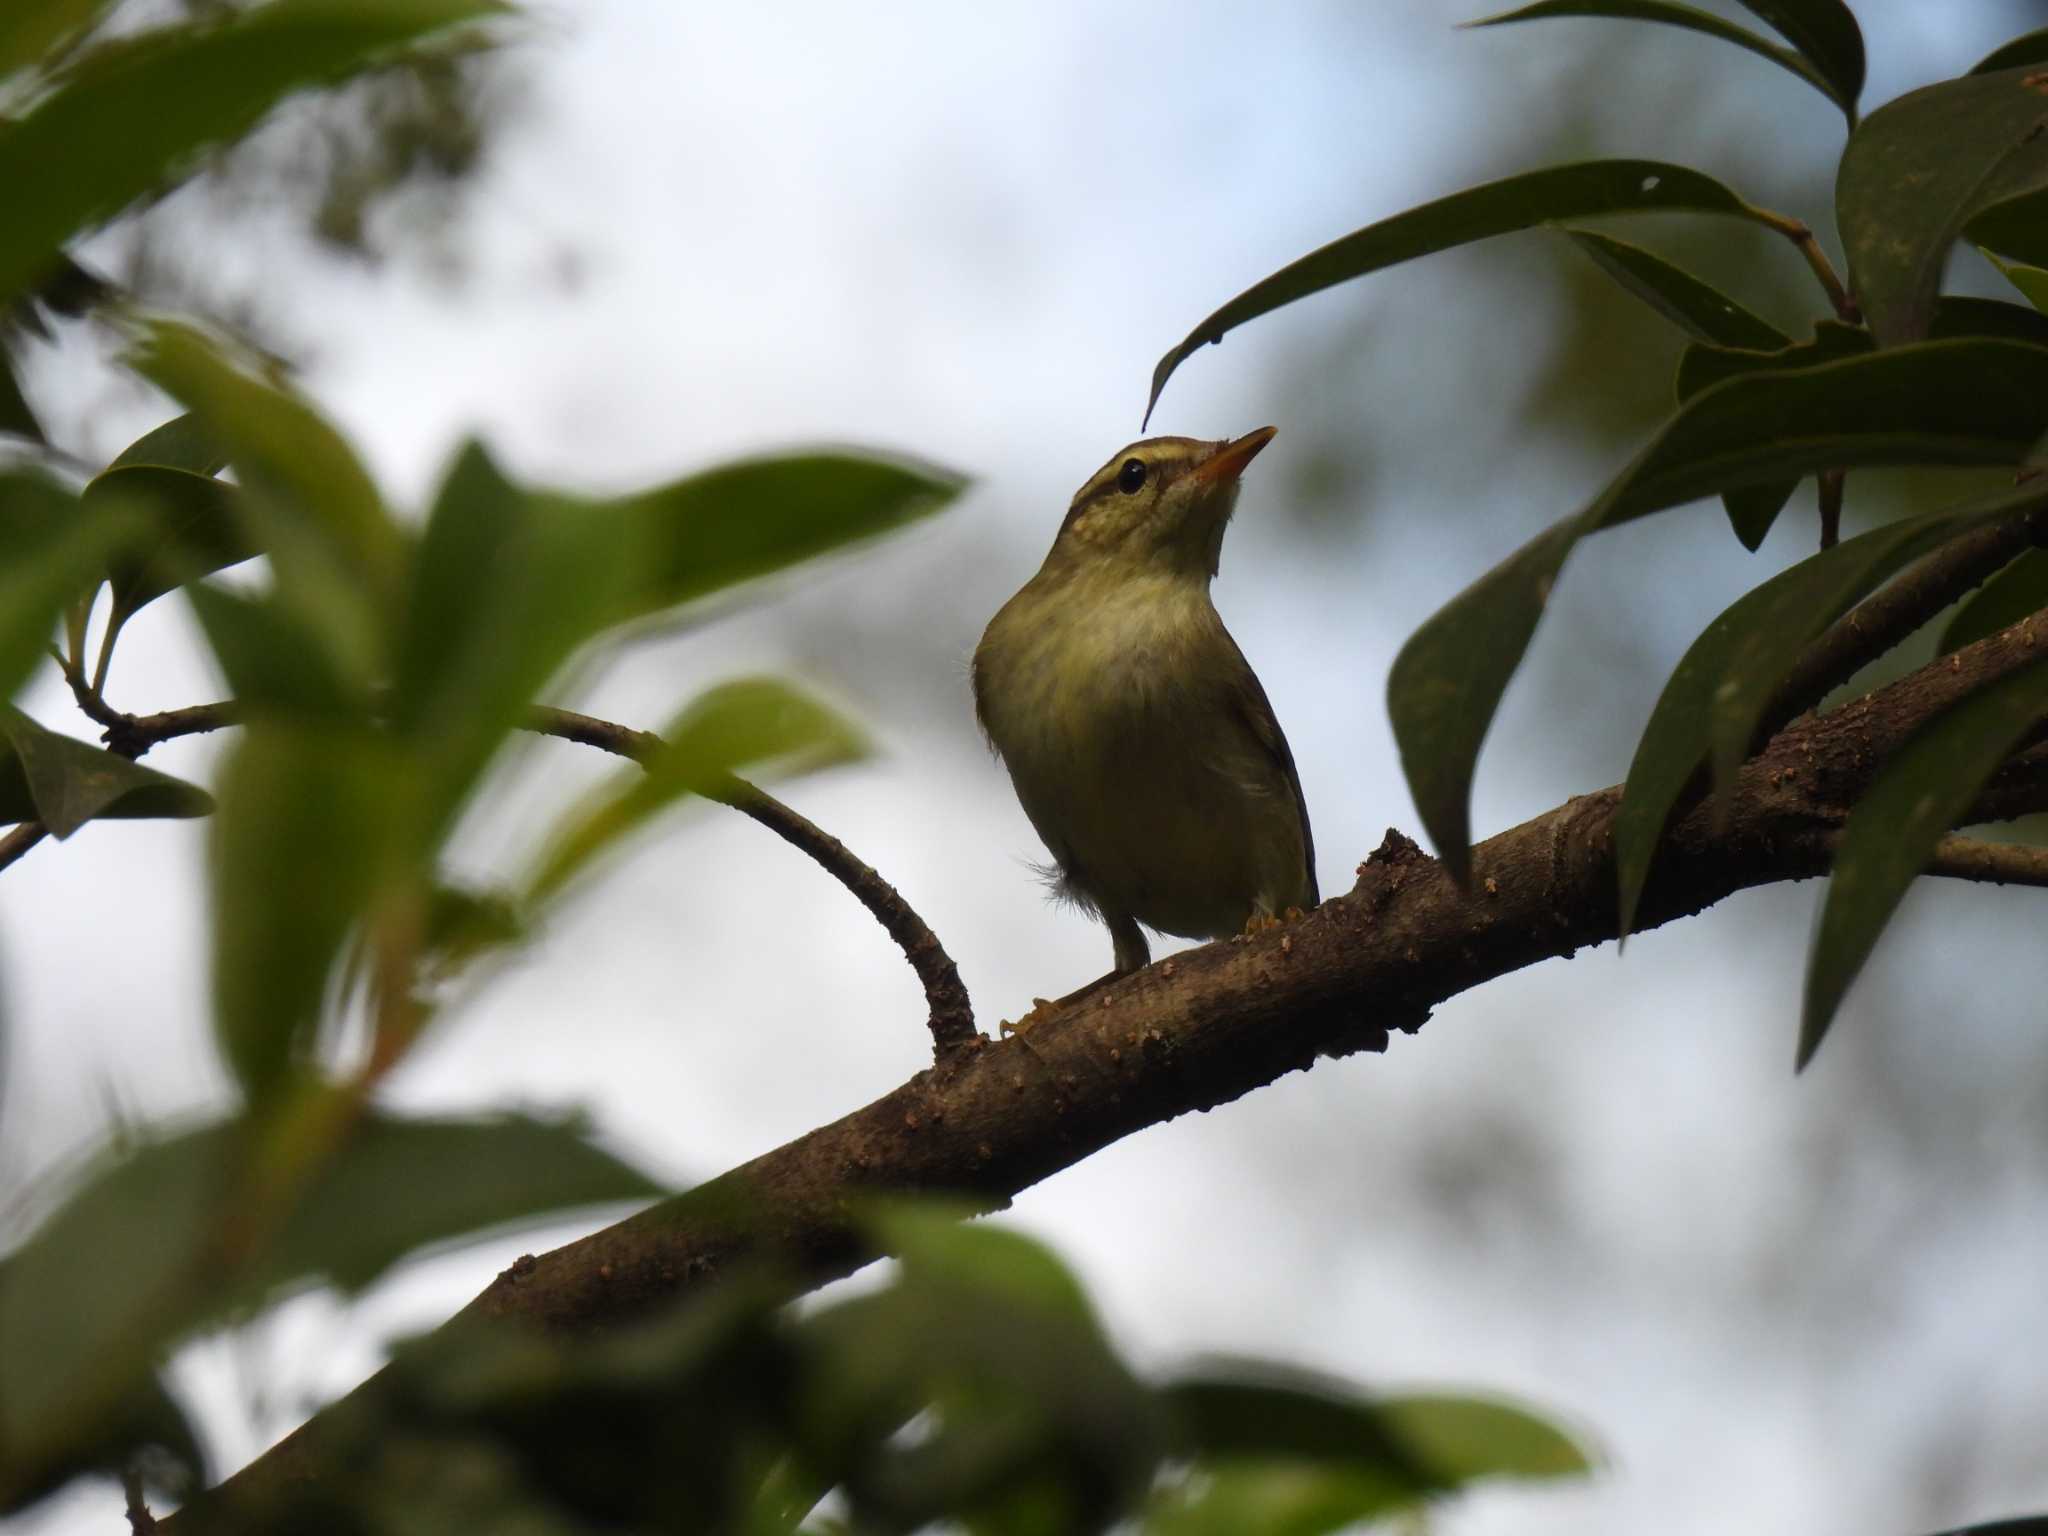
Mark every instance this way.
x=1161 y=502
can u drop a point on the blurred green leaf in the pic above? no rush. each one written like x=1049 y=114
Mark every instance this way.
x=2018 y=590
x=1692 y=20
x=51 y=554
x=131 y=117
x=34 y=27
x=1703 y=312
x=747 y=724
x=1468 y=1438
x=463 y=923
x=940 y=1242
x=2029 y=48
x=64 y=782
x=1942 y=402
x=505 y=588
x=16 y=416
x=1891 y=832
x=147 y=1434
x=746 y=520
x=1824 y=32
x=1717 y=694
x=1275 y=1496
x=2031 y=281
x=274 y=662
x=1547 y=196
x=309 y=814
x=1918 y=171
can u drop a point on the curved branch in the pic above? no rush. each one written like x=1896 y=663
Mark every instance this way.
x=951 y=1017
x=1208 y=1026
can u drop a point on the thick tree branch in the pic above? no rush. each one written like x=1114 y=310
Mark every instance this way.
x=951 y=1016
x=1205 y=1027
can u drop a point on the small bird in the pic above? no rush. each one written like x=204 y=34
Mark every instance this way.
x=1139 y=741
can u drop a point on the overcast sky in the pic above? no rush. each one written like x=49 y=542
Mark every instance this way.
x=968 y=232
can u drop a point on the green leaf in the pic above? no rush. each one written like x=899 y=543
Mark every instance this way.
x=746 y=520
x=310 y=811
x=505 y=588
x=1942 y=402
x=2018 y=590
x=1274 y=1496
x=194 y=527
x=1703 y=312
x=1825 y=32
x=1692 y=20
x=940 y=1242
x=1918 y=171
x=1497 y=208
x=742 y=725
x=132 y=117
x=2031 y=281
x=1717 y=694
x=50 y=556
x=183 y=442
x=273 y=661
x=1891 y=833
x=1468 y=1438
x=2029 y=48
x=64 y=782
x=34 y=27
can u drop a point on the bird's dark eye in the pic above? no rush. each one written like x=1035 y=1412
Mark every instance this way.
x=1131 y=477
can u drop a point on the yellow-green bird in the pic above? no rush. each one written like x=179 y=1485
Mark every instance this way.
x=1139 y=741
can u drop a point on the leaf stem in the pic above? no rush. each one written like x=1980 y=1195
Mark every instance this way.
x=1801 y=235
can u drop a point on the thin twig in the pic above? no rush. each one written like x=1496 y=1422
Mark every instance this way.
x=19 y=840
x=1970 y=858
x=140 y=1521
x=1801 y=236
x=951 y=1017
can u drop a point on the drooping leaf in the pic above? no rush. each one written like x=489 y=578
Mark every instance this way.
x=2018 y=590
x=64 y=782
x=738 y=726
x=1826 y=34
x=742 y=521
x=1547 y=196
x=310 y=811
x=1943 y=402
x=1691 y=19
x=193 y=526
x=1892 y=831
x=1702 y=311
x=1918 y=171
x=2028 y=48
x=2030 y=280
x=1711 y=704
x=130 y=118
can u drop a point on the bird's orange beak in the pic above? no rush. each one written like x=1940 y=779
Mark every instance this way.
x=1228 y=462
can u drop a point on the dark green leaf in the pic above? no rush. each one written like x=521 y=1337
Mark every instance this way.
x=1957 y=315
x=2018 y=590
x=129 y=119
x=506 y=587
x=1692 y=20
x=2031 y=281
x=147 y=1433
x=1703 y=312
x=746 y=520
x=1922 y=168
x=1825 y=32
x=193 y=526
x=1497 y=208
x=183 y=442
x=1892 y=831
x=1943 y=402
x=36 y=26
x=743 y=725
x=309 y=813
x=1717 y=694
x=64 y=782
x=16 y=416
x=2028 y=48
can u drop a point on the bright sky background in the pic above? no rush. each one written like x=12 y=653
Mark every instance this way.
x=1788 y=1306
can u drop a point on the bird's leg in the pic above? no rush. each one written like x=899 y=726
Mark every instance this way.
x=1133 y=953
